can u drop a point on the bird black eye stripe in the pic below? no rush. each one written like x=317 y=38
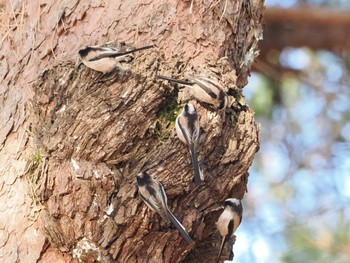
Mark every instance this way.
x=151 y=190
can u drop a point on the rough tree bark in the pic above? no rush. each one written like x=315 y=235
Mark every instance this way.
x=69 y=143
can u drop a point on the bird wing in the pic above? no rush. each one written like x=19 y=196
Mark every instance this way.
x=210 y=81
x=203 y=83
x=186 y=132
x=192 y=140
x=196 y=135
x=120 y=53
x=151 y=202
x=107 y=55
x=162 y=195
x=151 y=195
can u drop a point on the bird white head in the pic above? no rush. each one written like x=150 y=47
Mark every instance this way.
x=189 y=107
x=233 y=202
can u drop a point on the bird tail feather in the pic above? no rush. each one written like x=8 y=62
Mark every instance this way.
x=197 y=177
x=221 y=248
x=186 y=83
x=179 y=227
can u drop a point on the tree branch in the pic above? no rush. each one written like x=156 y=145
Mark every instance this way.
x=317 y=28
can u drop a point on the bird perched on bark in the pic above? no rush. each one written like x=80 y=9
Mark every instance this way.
x=106 y=59
x=188 y=131
x=229 y=221
x=204 y=89
x=151 y=191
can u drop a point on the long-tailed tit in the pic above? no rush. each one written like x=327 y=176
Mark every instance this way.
x=203 y=89
x=229 y=221
x=106 y=59
x=152 y=193
x=188 y=130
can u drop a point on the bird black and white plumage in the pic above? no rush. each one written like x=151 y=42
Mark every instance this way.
x=204 y=89
x=106 y=59
x=188 y=130
x=151 y=191
x=229 y=221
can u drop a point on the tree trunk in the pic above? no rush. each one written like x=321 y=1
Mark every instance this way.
x=85 y=141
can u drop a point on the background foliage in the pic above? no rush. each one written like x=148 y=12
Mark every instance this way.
x=297 y=207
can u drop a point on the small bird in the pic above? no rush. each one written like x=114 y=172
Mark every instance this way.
x=151 y=191
x=203 y=89
x=106 y=59
x=188 y=131
x=229 y=221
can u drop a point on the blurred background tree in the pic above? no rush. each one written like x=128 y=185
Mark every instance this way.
x=297 y=207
